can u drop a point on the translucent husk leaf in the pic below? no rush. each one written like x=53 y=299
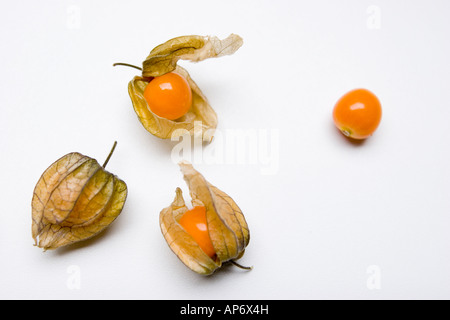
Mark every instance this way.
x=74 y=199
x=181 y=243
x=200 y=111
x=227 y=227
x=163 y=59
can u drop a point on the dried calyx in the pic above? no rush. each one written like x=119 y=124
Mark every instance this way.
x=162 y=60
x=75 y=199
x=226 y=225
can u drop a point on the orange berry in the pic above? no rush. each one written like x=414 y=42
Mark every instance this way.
x=194 y=223
x=357 y=114
x=169 y=96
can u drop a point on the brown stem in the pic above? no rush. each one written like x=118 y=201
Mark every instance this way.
x=240 y=266
x=126 y=65
x=110 y=154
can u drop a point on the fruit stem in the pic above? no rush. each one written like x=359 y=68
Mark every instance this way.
x=110 y=154
x=240 y=266
x=346 y=132
x=126 y=65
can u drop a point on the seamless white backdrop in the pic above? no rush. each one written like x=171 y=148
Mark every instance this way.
x=337 y=220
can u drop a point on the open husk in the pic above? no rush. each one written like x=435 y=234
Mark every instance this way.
x=163 y=59
x=200 y=112
x=74 y=199
x=228 y=229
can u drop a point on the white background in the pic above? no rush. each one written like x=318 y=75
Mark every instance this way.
x=332 y=209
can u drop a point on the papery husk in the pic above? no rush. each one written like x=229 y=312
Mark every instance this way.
x=74 y=199
x=163 y=59
x=200 y=112
x=181 y=242
x=227 y=226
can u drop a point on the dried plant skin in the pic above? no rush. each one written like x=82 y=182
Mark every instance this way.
x=227 y=226
x=163 y=59
x=74 y=199
x=181 y=242
x=200 y=111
